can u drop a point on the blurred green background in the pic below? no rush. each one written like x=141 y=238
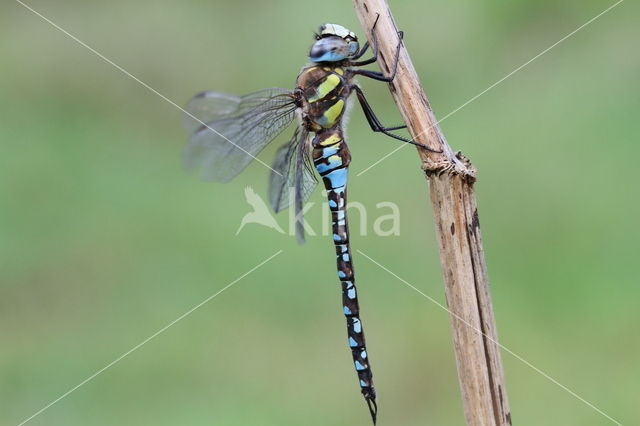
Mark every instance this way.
x=104 y=239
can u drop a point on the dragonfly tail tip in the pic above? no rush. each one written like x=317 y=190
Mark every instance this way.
x=373 y=408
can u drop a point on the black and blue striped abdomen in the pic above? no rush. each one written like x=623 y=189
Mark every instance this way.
x=331 y=158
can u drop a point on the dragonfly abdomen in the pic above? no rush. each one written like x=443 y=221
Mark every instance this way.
x=331 y=158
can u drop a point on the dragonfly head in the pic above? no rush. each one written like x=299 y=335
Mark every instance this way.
x=334 y=43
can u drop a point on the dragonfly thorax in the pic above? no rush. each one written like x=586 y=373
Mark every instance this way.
x=323 y=94
x=334 y=43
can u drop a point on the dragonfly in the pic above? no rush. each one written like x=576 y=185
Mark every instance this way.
x=228 y=132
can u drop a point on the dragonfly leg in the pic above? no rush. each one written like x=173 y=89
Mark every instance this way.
x=362 y=51
x=366 y=61
x=377 y=126
x=366 y=45
x=377 y=75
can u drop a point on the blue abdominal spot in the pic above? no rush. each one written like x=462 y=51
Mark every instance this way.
x=337 y=177
x=329 y=151
x=340 y=189
x=333 y=163
x=351 y=293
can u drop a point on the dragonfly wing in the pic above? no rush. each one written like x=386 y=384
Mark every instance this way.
x=295 y=179
x=208 y=106
x=236 y=129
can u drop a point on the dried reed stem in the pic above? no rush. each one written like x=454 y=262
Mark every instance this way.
x=451 y=180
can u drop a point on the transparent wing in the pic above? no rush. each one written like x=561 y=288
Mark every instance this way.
x=237 y=128
x=296 y=179
x=208 y=106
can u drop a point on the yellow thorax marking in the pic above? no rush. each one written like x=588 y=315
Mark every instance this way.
x=336 y=70
x=332 y=113
x=331 y=82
